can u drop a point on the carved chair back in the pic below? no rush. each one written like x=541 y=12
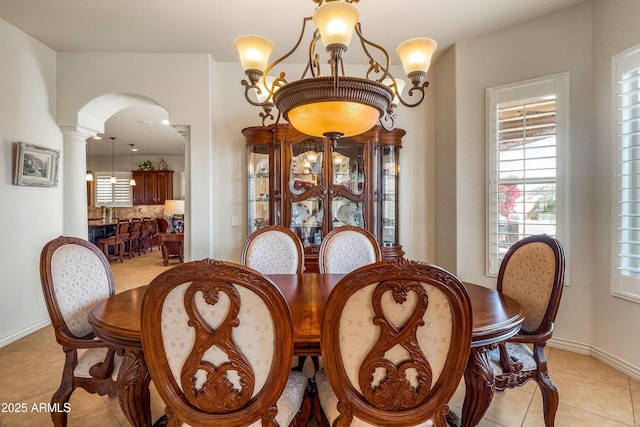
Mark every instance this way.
x=75 y=275
x=218 y=340
x=395 y=345
x=347 y=248
x=274 y=250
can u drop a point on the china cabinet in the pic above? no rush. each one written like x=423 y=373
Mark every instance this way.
x=313 y=185
x=152 y=187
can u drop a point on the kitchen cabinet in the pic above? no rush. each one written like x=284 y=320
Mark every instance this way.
x=152 y=187
x=313 y=185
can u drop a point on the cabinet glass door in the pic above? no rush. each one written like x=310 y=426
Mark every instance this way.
x=306 y=184
x=348 y=166
x=346 y=212
x=259 y=188
x=389 y=196
x=306 y=220
x=307 y=165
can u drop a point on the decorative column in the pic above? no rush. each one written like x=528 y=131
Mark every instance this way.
x=189 y=231
x=74 y=181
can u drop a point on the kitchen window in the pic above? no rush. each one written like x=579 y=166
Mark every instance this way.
x=626 y=186
x=527 y=151
x=119 y=194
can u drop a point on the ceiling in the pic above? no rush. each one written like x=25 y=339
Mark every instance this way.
x=197 y=26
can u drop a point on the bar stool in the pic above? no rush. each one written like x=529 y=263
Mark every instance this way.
x=116 y=241
x=134 y=236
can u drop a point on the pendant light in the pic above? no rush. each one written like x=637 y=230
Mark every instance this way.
x=89 y=176
x=113 y=179
x=132 y=181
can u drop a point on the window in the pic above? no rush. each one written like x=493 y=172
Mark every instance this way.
x=527 y=144
x=626 y=262
x=119 y=194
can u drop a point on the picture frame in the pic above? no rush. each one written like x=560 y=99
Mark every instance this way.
x=36 y=166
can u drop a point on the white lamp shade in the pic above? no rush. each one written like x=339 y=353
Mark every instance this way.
x=416 y=54
x=174 y=207
x=336 y=21
x=254 y=52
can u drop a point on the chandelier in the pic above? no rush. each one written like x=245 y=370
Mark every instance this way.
x=335 y=105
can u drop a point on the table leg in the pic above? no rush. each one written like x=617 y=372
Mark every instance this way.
x=165 y=253
x=133 y=389
x=479 y=384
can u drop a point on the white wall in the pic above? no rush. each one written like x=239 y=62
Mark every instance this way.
x=615 y=321
x=31 y=216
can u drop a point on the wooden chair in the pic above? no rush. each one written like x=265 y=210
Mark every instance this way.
x=75 y=275
x=347 y=248
x=116 y=241
x=218 y=341
x=145 y=235
x=135 y=232
x=395 y=340
x=532 y=273
x=274 y=250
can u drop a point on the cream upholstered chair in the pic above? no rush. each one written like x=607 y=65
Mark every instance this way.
x=394 y=347
x=532 y=273
x=218 y=341
x=346 y=248
x=75 y=275
x=274 y=250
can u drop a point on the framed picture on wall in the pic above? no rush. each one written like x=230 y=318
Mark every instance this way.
x=36 y=166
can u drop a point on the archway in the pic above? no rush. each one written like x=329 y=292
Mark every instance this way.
x=91 y=119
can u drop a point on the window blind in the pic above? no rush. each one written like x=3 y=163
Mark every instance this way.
x=627 y=118
x=118 y=194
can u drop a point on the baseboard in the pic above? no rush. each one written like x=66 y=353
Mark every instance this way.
x=601 y=355
x=616 y=363
x=574 y=346
x=23 y=333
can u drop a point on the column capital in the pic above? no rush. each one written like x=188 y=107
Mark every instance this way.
x=77 y=133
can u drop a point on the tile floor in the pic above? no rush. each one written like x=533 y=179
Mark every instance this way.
x=591 y=393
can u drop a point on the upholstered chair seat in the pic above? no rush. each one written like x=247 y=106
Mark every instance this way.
x=395 y=347
x=274 y=250
x=75 y=276
x=218 y=340
x=518 y=351
x=87 y=358
x=347 y=248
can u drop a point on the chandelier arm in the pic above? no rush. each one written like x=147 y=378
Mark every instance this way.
x=247 y=87
x=420 y=89
x=266 y=115
x=375 y=66
x=313 y=64
x=288 y=54
x=388 y=118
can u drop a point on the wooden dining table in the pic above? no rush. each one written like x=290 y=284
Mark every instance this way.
x=116 y=321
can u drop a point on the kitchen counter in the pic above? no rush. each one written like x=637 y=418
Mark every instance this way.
x=99 y=228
